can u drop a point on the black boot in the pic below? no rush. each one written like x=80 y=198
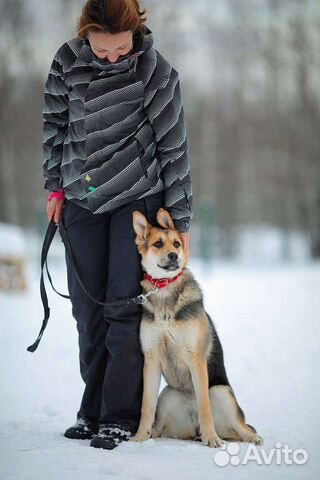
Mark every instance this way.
x=83 y=429
x=112 y=433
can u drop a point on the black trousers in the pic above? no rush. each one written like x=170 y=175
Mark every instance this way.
x=109 y=265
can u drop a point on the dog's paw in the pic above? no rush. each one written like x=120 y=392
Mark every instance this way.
x=140 y=437
x=257 y=440
x=254 y=438
x=211 y=440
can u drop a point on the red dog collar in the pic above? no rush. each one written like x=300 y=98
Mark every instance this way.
x=161 y=282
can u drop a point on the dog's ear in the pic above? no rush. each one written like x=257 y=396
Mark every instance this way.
x=140 y=225
x=164 y=219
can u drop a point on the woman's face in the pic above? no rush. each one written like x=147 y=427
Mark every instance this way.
x=110 y=46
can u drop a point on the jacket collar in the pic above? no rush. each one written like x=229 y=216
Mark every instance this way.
x=143 y=41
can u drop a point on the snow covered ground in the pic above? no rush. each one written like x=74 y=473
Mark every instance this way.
x=268 y=321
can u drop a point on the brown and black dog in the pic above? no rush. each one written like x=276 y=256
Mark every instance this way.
x=179 y=340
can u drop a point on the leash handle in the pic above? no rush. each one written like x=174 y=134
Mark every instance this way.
x=50 y=280
x=51 y=230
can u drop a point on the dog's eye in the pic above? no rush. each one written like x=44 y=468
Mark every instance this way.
x=158 y=244
x=177 y=244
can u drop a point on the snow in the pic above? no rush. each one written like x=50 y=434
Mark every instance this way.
x=271 y=244
x=12 y=242
x=268 y=322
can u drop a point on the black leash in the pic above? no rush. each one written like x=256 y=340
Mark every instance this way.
x=51 y=230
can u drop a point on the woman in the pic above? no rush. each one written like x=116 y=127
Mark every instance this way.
x=114 y=142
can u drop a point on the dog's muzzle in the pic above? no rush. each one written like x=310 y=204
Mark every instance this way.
x=173 y=262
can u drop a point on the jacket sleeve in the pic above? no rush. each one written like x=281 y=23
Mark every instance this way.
x=55 y=124
x=166 y=115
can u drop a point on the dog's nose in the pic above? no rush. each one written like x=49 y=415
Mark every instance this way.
x=172 y=256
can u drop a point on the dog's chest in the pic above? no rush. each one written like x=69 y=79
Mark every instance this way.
x=166 y=333
x=164 y=316
x=171 y=341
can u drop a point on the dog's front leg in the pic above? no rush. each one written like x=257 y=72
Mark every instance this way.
x=151 y=386
x=199 y=373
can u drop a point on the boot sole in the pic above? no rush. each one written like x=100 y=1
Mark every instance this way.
x=79 y=436
x=104 y=443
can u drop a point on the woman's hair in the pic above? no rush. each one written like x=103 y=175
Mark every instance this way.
x=112 y=16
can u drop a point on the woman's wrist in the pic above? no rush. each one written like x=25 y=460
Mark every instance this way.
x=59 y=195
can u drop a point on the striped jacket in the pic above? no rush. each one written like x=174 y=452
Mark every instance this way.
x=115 y=132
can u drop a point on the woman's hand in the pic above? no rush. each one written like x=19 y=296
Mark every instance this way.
x=185 y=238
x=55 y=206
x=54 y=209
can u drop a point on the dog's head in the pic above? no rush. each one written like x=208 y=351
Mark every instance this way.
x=162 y=249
